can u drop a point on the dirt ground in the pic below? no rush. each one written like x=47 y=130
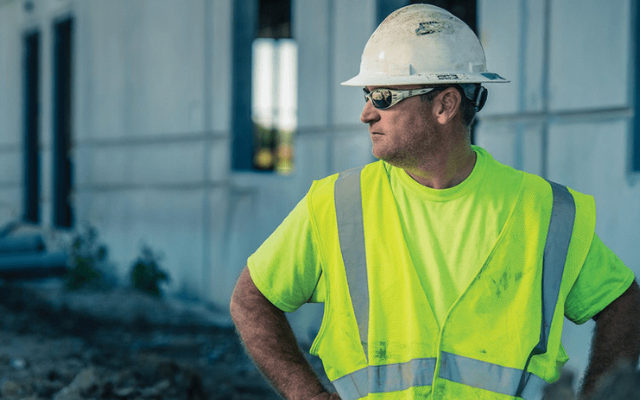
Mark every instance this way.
x=118 y=345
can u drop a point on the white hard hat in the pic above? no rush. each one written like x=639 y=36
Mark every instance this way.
x=422 y=44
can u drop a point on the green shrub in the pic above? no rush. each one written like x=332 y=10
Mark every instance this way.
x=146 y=274
x=87 y=259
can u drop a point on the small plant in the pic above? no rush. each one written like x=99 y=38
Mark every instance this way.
x=146 y=274
x=87 y=260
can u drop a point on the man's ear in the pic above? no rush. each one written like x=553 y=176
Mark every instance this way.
x=447 y=105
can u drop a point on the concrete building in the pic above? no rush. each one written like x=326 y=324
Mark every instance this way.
x=135 y=117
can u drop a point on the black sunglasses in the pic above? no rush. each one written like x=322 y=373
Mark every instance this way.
x=383 y=98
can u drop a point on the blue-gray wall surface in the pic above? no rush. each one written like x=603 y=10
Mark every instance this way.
x=152 y=122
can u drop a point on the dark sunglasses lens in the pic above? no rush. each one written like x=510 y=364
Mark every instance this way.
x=381 y=98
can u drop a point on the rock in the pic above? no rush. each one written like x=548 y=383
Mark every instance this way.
x=85 y=381
x=125 y=393
x=157 y=389
x=19 y=363
x=10 y=389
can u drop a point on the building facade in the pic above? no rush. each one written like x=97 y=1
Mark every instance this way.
x=134 y=117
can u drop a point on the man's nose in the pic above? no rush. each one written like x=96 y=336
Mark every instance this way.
x=369 y=113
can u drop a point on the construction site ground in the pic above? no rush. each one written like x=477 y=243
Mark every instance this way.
x=118 y=344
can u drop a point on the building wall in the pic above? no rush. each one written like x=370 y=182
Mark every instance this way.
x=151 y=145
x=10 y=111
x=152 y=128
x=568 y=112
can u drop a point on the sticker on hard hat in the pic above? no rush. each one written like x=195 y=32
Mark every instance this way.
x=492 y=76
x=447 y=77
x=430 y=27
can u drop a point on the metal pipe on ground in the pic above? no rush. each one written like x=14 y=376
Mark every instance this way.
x=22 y=244
x=33 y=265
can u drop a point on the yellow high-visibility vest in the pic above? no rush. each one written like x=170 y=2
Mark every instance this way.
x=499 y=340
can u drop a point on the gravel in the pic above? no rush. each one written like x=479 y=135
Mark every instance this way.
x=119 y=344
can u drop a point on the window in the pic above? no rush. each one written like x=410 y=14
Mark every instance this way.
x=62 y=123
x=265 y=82
x=31 y=115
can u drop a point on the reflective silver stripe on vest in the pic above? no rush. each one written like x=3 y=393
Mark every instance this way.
x=554 y=258
x=420 y=372
x=348 y=199
x=555 y=255
x=464 y=370
x=487 y=376
x=386 y=378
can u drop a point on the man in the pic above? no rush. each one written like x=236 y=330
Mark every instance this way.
x=444 y=273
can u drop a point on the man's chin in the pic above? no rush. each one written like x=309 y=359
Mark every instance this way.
x=385 y=157
x=392 y=159
x=377 y=154
x=380 y=152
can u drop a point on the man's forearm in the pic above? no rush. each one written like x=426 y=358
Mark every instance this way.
x=616 y=339
x=271 y=343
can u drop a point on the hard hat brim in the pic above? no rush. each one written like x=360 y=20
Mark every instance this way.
x=364 y=79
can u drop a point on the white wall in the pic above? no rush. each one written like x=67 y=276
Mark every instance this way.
x=151 y=129
x=10 y=112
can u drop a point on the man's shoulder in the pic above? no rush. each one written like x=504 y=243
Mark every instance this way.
x=544 y=191
x=532 y=181
x=545 y=185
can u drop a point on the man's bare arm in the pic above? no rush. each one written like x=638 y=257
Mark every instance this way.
x=616 y=339
x=269 y=340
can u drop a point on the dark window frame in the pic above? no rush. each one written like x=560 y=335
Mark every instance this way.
x=31 y=126
x=245 y=20
x=249 y=24
x=63 y=34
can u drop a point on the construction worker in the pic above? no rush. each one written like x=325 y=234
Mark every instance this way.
x=444 y=274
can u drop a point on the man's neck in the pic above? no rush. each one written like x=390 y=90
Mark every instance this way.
x=446 y=170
